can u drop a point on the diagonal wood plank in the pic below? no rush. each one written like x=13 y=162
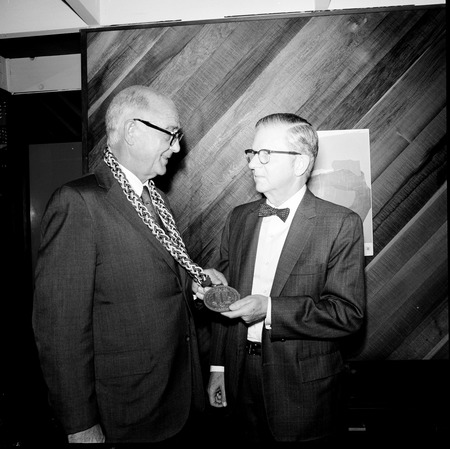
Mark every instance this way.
x=382 y=70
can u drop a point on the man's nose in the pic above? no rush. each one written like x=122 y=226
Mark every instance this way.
x=254 y=162
x=176 y=146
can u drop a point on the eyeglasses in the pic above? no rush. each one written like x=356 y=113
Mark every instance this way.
x=264 y=155
x=175 y=135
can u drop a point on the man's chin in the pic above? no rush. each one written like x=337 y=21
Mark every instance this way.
x=259 y=187
x=162 y=169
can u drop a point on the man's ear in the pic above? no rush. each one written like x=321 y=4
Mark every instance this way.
x=129 y=131
x=301 y=164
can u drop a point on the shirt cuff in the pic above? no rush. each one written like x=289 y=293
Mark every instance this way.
x=217 y=369
x=268 y=320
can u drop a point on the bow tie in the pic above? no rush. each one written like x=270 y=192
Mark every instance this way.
x=265 y=211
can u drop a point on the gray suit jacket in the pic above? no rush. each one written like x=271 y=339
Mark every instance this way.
x=112 y=319
x=318 y=297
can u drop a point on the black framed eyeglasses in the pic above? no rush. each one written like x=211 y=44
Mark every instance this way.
x=175 y=135
x=264 y=155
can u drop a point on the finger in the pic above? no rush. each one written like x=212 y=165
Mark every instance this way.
x=218 y=281
x=219 y=399
x=222 y=278
x=219 y=278
x=231 y=314
x=211 y=397
x=239 y=304
x=216 y=400
x=224 y=398
x=195 y=287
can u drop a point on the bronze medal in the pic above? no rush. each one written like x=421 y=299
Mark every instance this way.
x=220 y=297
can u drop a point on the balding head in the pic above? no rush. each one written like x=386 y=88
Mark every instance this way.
x=128 y=103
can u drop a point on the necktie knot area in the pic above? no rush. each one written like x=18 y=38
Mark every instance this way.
x=169 y=237
x=146 y=197
x=266 y=211
x=149 y=204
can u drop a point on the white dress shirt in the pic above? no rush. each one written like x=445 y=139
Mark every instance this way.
x=271 y=240
x=134 y=181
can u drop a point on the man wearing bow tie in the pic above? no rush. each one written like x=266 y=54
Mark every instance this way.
x=298 y=263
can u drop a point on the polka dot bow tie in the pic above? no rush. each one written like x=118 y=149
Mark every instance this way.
x=265 y=211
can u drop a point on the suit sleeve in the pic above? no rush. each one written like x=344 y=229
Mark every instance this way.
x=62 y=309
x=332 y=302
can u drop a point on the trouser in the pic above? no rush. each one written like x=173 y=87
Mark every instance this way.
x=252 y=419
x=251 y=414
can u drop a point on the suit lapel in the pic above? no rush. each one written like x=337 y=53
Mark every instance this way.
x=299 y=233
x=248 y=247
x=116 y=197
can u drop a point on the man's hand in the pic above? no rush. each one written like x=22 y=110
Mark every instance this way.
x=251 y=309
x=91 y=435
x=216 y=389
x=217 y=278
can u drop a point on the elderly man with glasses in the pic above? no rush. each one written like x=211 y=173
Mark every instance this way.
x=298 y=263
x=113 y=314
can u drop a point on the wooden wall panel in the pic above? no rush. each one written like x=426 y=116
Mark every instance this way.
x=384 y=70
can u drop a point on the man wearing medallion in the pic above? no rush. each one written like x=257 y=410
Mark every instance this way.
x=112 y=315
x=298 y=264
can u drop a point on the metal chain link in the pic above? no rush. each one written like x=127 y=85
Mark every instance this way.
x=172 y=242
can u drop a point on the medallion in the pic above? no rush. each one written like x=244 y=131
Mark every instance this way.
x=220 y=297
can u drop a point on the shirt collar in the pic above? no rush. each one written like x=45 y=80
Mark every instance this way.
x=293 y=202
x=134 y=181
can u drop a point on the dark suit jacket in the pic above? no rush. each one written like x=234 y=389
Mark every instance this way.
x=318 y=297
x=112 y=320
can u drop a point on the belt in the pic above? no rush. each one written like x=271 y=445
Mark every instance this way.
x=253 y=348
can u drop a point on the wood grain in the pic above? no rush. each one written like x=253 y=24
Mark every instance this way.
x=382 y=70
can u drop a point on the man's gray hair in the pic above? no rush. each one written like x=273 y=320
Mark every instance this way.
x=300 y=135
x=129 y=100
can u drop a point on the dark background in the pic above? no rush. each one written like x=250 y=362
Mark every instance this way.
x=26 y=119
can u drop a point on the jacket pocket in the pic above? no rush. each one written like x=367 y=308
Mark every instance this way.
x=110 y=365
x=321 y=366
